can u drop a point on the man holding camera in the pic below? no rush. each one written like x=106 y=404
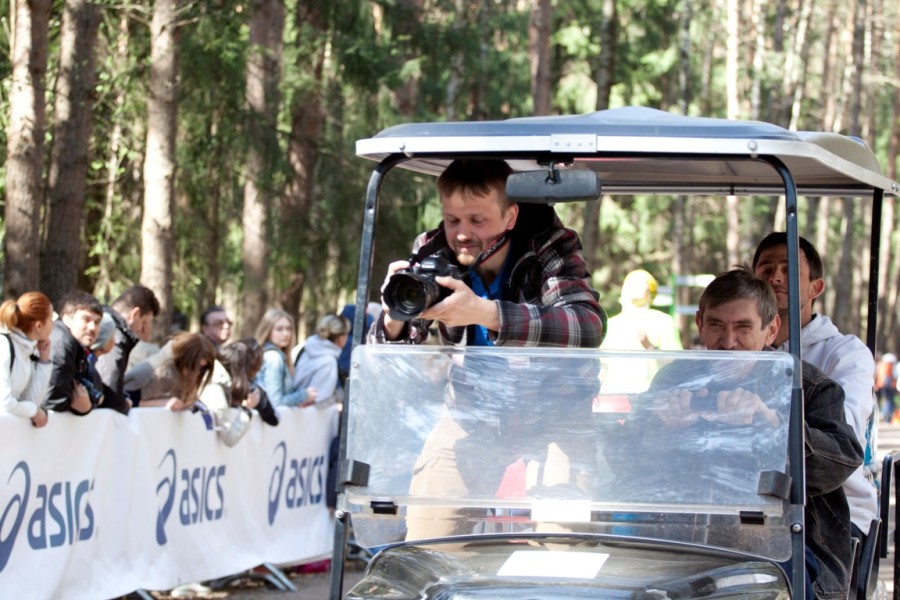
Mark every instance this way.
x=75 y=385
x=521 y=279
x=505 y=275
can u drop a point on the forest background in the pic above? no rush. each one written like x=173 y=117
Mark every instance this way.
x=206 y=148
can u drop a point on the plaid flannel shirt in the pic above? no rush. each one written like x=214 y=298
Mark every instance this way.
x=548 y=301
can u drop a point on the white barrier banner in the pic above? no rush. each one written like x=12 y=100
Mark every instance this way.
x=98 y=506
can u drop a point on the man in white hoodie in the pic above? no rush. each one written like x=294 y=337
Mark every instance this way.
x=844 y=358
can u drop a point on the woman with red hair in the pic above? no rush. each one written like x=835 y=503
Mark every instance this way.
x=25 y=367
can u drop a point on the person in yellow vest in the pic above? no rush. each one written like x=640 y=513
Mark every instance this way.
x=639 y=326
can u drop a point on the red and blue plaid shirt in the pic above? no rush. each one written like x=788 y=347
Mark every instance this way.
x=548 y=300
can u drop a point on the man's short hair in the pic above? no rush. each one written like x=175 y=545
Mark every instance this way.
x=138 y=296
x=740 y=284
x=779 y=238
x=476 y=178
x=215 y=308
x=75 y=301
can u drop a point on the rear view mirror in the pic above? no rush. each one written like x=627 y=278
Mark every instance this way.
x=552 y=185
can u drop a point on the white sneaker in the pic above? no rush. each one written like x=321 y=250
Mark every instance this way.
x=189 y=590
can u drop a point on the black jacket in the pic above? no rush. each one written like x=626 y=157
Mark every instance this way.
x=112 y=366
x=70 y=366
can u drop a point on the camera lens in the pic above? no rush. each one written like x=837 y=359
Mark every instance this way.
x=406 y=296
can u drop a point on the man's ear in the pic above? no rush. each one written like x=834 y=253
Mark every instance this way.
x=698 y=320
x=132 y=315
x=772 y=329
x=816 y=287
x=512 y=215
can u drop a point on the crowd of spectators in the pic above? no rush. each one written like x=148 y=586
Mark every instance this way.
x=88 y=356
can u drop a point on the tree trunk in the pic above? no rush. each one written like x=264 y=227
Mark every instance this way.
x=859 y=34
x=732 y=69
x=307 y=116
x=797 y=67
x=891 y=268
x=604 y=76
x=685 y=89
x=732 y=85
x=456 y=73
x=679 y=263
x=607 y=36
x=61 y=254
x=843 y=298
x=831 y=69
x=158 y=251
x=210 y=284
x=107 y=263
x=24 y=147
x=409 y=17
x=266 y=28
x=759 y=60
x=843 y=280
x=539 y=28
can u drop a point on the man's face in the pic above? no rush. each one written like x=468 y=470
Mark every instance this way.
x=141 y=324
x=772 y=267
x=473 y=223
x=84 y=325
x=218 y=327
x=736 y=325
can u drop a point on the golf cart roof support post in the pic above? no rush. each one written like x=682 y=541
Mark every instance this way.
x=366 y=260
x=796 y=435
x=874 y=273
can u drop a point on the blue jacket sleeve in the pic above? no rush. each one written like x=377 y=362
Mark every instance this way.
x=273 y=379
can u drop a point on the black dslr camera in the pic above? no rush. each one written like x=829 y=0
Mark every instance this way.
x=411 y=291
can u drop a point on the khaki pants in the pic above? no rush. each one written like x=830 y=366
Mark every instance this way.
x=455 y=465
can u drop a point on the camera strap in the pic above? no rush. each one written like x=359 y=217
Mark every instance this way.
x=493 y=249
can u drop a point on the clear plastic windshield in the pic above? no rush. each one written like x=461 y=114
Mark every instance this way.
x=687 y=446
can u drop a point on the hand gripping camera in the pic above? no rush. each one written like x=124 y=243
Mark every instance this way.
x=411 y=291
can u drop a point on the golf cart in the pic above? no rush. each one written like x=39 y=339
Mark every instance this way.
x=549 y=497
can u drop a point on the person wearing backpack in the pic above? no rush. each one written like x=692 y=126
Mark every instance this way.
x=25 y=366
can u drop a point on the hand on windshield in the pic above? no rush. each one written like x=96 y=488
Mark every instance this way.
x=739 y=407
x=674 y=408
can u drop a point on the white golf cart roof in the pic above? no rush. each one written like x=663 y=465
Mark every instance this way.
x=689 y=154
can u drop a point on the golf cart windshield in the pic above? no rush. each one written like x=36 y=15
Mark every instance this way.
x=461 y=441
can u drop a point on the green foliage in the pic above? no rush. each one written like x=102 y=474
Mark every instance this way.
x=382 y=64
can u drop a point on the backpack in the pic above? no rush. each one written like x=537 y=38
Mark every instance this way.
x=12 y=351
x=299 y=354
